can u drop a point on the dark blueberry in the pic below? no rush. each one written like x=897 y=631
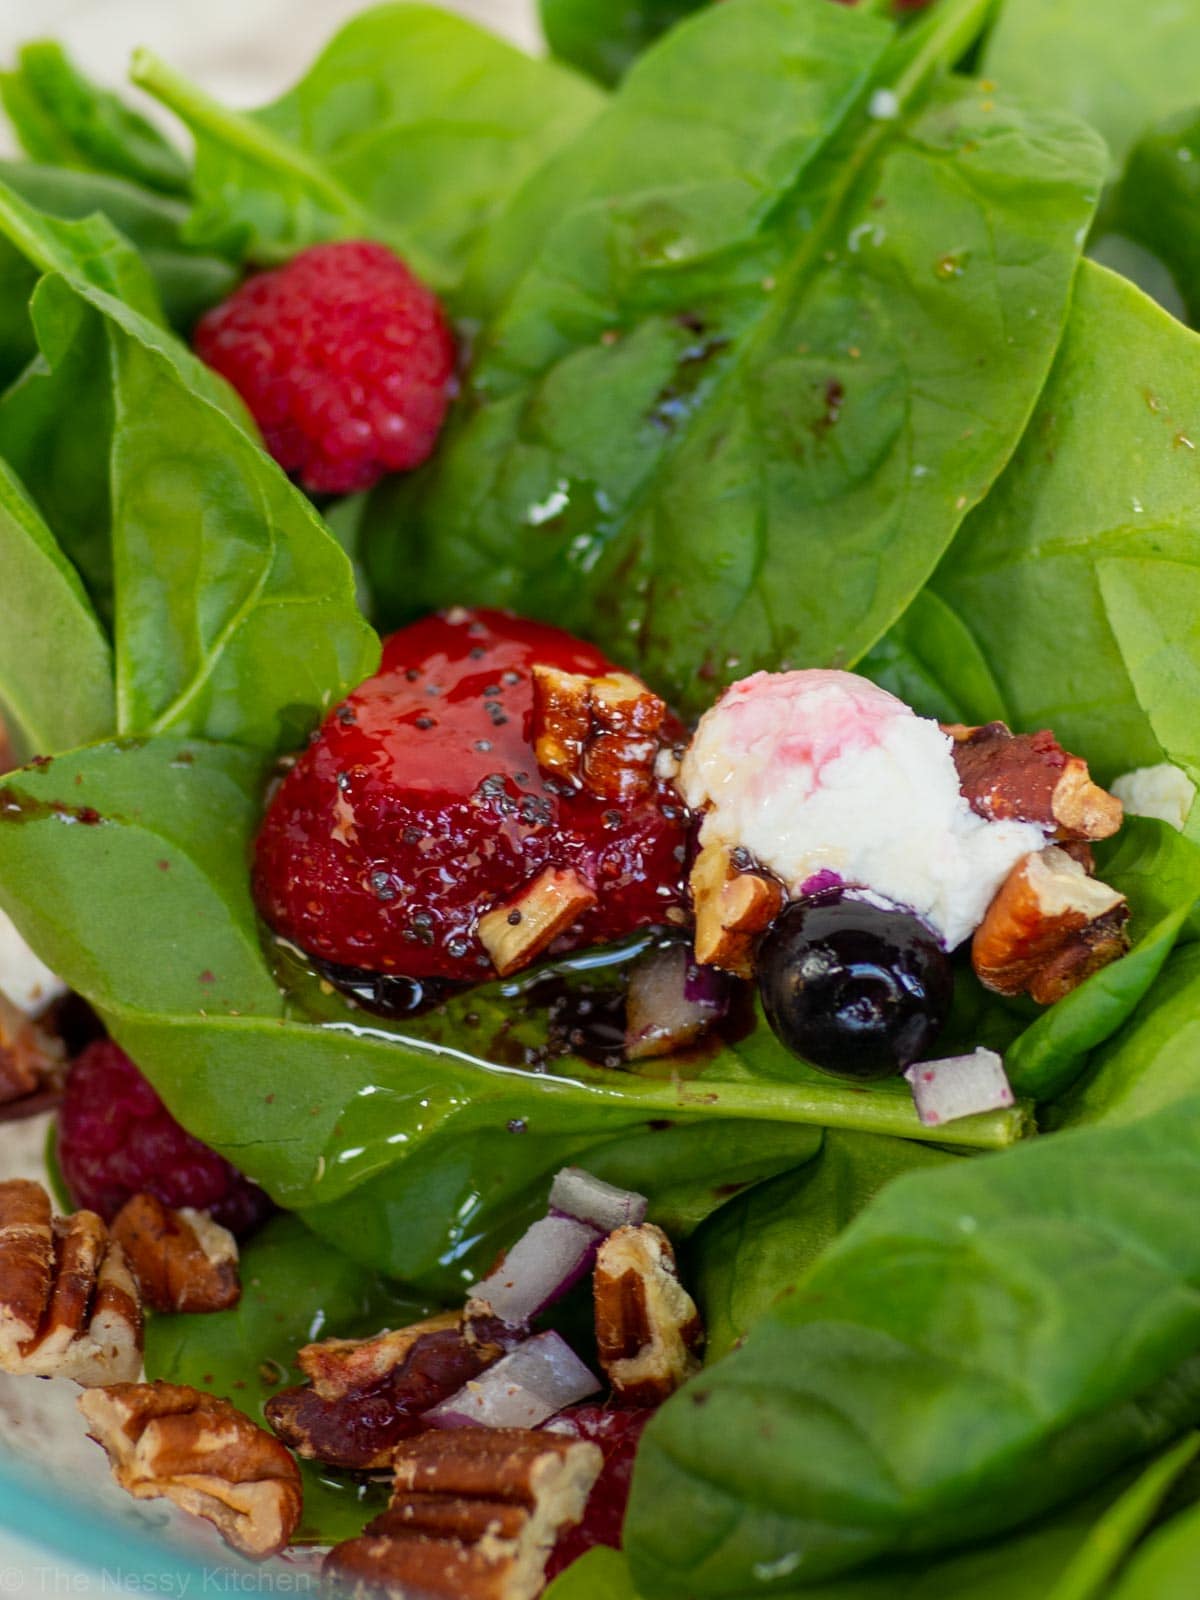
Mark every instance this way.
x=855 y=989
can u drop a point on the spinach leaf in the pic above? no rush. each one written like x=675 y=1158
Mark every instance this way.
x=1120 y=67
x=1158 y=870
x=65 y=120
x=795 y=340
x=933 y=663
x=1157 y=202
x=412 y=126
x=760 y=1245
x=1024 y=573
x=982 y=1343
x=188 y=280
x=422 y=1148
x=1154 y=1060
x=56 y=671
x=234 y=609
x=604 y=37
x=1069 y=1556
x=1165 y=1567
x=294 y=1290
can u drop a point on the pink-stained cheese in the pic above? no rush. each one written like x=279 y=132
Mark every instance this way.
x=823 y=771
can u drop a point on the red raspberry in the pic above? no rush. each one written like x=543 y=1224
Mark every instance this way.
x=117 y=1139
x=344 y=359
x=420 y=804
x=618 y=1433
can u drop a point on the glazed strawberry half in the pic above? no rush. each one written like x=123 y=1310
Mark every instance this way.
x=418 y=835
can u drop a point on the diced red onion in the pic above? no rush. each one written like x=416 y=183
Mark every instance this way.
x=549 y=1258
x=959 y=1086
x=660 y=1014
x=577 y=1194
x=537 y=1379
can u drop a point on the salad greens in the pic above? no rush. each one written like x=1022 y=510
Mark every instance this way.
x=739 y=339
x=980 y=1343
x=781 y=353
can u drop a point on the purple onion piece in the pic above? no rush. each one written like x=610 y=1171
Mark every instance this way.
x=577 y=1194
x=539 y=1378
x=548 y=1259
x=660 y=1017
x=959 y=1086
x=820 y=881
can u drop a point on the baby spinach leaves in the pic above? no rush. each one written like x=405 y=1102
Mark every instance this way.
x=1121 y=67
x=213 y=568
x=419 y=1148
x=1165 y=1567
x=61 y=117
x=1104 y=487
x=1157 y=202
x=412 y=126
x=793 y=338
x=56 y=672
x=603 y=37
x=982 y=1342
x=763 y=1242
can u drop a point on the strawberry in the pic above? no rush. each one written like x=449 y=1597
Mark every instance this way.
x=419 y=806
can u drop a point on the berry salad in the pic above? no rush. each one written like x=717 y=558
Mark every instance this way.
x=599 y=885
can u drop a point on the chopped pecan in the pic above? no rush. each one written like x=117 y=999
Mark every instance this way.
x=31 y=1057
x=599 y=733
x=648 y=1331
x=733 y=906
x=368 y=1394
x=515 y=933
x=165 y=1439
x=1048 y=928
x=1029 y=777
x=69 y=1306
x=475 y=1514
x=183 y=1260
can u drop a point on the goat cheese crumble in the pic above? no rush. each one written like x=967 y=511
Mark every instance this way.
x=822 y=771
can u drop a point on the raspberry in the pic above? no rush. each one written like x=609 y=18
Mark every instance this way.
x=117 y=1139
x=420 y=804
x=344 y=359
x=618 y=1433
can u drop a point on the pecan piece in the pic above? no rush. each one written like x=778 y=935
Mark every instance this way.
x=475 y=1514
x=601 y=734
x=1029 y=777
x=733 y=907
x=69 y=1306
x=1049 y=927
x=165 y=1439
x=183 y=1260
x=366 y=1395
x=648 y=1331
x=517 y=932
x=30 y=1056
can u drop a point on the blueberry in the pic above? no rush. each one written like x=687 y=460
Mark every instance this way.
x=856 y=989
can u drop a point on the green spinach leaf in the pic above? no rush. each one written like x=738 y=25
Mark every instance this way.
x=1024 y=573
x=793 y=339
x=604 y=37
x=56 y=671
x=1157 y=203
x=761 y=1244
x=188 y=279
x=294 y=1290
x=412 y=126
x=980 y=1344
x=1153 y=1061
x=65 y=120
x=420 y=1149
x=1165 y=1567
x=1158 y=870
x=215 y=567
x=933 y=663
x=1120 y=67
x=601 y=1574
